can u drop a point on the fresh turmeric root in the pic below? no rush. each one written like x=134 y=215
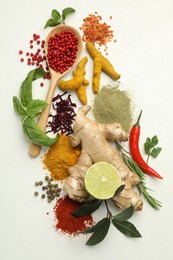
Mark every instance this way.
x=78 y=82
x=94 y=138
x=100 y=64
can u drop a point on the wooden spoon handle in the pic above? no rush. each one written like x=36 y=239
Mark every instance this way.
x=34 y=149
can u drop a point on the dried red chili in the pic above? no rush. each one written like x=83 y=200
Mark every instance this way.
x=65 y=114
x=96 y=32
x=135 y=152
x=66 y=222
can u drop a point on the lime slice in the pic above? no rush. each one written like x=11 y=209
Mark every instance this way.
x=102 y=180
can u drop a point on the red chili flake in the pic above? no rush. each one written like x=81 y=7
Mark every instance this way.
x=96 y=31
x=63 y=119
x=66 y=222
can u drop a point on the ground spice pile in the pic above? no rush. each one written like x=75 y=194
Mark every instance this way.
x=113 y=105
x=60 y=157
x=96 y=31
x=66 y=222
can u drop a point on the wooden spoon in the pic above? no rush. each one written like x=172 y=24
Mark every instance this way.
x=34 y=149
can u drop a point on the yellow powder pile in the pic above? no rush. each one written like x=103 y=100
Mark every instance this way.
x=60 y=157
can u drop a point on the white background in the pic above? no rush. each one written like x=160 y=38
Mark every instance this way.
x=143 y=55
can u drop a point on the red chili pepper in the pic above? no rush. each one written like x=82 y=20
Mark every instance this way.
x=135 y=152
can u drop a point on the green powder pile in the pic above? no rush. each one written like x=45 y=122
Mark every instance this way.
x=113 y=105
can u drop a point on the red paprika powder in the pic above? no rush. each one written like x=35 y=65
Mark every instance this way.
x=66 y=223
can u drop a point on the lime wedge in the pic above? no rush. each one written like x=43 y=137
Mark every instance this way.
x=101 y=180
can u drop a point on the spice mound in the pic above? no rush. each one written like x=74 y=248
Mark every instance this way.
x=60 y=157
x=113 y=105
x=66 y=222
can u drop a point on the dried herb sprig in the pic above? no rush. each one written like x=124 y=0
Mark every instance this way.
x=133 y=166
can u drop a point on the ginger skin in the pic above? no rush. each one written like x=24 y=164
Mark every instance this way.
x=78 y=82
x=94 y=138
x=100 y=64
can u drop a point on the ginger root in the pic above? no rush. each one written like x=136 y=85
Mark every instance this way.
x=100 y=64
x=94 y=138
x=78 y=82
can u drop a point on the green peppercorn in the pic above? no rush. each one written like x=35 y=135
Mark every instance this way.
x=43 y=196
x=36 y=183
x=36 y=193
x=47 y=178
x=40 y=183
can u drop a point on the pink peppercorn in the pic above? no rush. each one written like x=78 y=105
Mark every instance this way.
x=20 y=52
x=22 y=59
x=62 y=50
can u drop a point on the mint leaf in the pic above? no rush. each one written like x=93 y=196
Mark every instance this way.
x=126 y=228
x=35 y=107
x=18 y=108
x=87 y=208
x=125 y=214
x=67 y=11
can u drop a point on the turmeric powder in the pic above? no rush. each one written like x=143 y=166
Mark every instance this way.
x=60 y=157
x=100 y=64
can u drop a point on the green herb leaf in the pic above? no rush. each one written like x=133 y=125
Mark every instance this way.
x=19 y=108
x=35 y=134
x=125 y=214
x=155 y=152
x=149 y=147
x=67 y=11
x=55 y=14
x=26 y=87
x=52 y=23
x=93 y=228
x=87 y=208
x=99 y=232
x=35 y=107
x=120 y=189
x=126 y=228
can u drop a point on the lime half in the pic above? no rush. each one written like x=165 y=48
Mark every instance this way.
x=101 y=180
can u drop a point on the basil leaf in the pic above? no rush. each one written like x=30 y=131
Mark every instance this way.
x=125 y=214
x=126 y=228
x=19 y=108
x=52 y=23
x=55 y=14
x=26 y=87
x=87 y=208
x=35 y=106
x=38 y=73
x=35 y=134
x=155 y=152
x=67 y=11
x=99 y=233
